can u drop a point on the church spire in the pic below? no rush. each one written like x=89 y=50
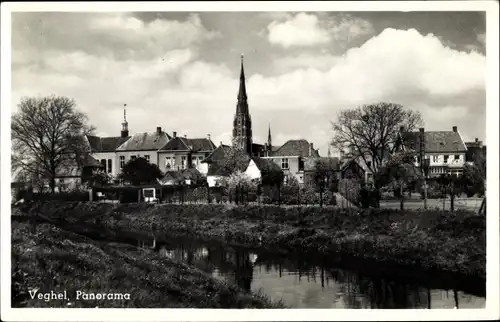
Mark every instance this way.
x=269 y=140
x=242 y=106
x=124 y=133
x=242 y=124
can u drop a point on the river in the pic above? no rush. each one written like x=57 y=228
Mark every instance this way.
x=301 y=283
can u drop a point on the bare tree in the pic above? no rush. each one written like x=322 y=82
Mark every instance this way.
x=370 y=130
x=47 y=136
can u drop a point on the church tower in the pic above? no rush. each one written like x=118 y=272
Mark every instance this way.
x=124 y=133
x=242 y=124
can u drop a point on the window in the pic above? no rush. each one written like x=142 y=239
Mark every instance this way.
x=122 y=161
x=146 y=156
x=435 y=158
x=183 y=162
x=457 y=157
x=103 y=163
x=446 y=158
x=110 y=164
x=168 y=163
x=133 y=157
x=284 y=163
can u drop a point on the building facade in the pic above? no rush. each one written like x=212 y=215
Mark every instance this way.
x=445 y=150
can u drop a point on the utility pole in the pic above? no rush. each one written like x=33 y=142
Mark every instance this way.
x=423 y=164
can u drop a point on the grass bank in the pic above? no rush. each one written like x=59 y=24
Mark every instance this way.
x=448 y=242
x=52 y=259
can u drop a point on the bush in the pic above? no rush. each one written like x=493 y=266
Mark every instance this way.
x=61 y=196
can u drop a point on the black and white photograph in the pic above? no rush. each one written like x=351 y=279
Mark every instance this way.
x=212 y=157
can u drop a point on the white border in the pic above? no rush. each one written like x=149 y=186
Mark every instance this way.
x=492 y=300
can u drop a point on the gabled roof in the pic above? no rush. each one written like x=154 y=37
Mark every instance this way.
x=185 y=144
x=435 y=141
x=266 y=164
x=105 y=144
x=145 y=141
x=218 y=153
x=89 y=161
x=300 y=148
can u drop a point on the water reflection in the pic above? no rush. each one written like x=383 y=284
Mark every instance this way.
x=301 y=284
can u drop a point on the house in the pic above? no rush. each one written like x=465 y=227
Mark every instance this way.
x=103 y=148
x=72 y=175
x=144 y=145
x=290 y=157
x=445 y=150
x=182 y=153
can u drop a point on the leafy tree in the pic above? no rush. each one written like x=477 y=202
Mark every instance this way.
x=398 y=172
x=234 y=160
x=140 y=171
x=237 y=184
x=47 y=137
x=474 y=176
x=325 y=176
x=371 y=130
x=99 y=178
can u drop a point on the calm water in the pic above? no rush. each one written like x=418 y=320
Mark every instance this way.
x=301 y=284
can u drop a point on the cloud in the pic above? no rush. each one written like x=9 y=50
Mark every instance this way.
x=308 y=30
x=174 y=85
x=118 y=36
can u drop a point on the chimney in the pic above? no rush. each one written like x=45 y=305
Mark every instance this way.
x=311 y=146
x=174 y=134
x=208 y=137
x=422 y=130
x=185 y=136
x=158 y=130
x=401 y=129
x=455 y=129
x=221 y=143
x=477 y=140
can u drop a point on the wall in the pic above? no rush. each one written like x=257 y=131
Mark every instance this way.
x=438 y=167
x=115 y=165
x=194 y=157
x=293 y=166
x=212 y=180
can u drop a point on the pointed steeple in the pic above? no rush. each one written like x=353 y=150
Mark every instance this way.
x=242 y=124
x=269 y=140
x=242 y=106
x=124 y=133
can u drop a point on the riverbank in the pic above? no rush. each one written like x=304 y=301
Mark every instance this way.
x=48 y=258
x=433 y=240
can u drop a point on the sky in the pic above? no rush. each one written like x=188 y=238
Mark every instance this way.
x=180 y=70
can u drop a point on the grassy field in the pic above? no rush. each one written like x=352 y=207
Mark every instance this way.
x=452 y=242
x=53 y=259
x=469 y=204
